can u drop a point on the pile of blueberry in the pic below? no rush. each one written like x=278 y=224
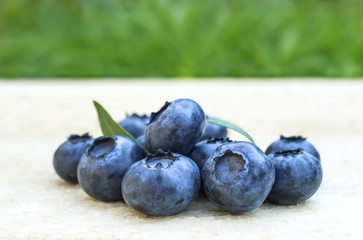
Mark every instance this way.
x=186 y=156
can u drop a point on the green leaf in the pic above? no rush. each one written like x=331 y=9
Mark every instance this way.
x=110 y=127
x=231 y=126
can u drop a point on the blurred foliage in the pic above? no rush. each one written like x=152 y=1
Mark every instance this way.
x=181 y=38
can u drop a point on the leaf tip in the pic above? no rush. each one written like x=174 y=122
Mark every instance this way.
x=95 y=103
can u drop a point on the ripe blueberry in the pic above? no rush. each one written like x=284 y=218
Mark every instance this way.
x=238 y=177
x=68 y=155
x=162 y=184
x=135 y=124
x=177 y=127
x=292 y=143
x=298 y=176
x=141 y=140
x=213 y=130
x=103 y=165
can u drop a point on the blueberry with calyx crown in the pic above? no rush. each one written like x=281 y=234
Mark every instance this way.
x=162 y=184
x=298 y=176
x=103 y=165
x=68 y=155
x=177 y=127
x=238 y=177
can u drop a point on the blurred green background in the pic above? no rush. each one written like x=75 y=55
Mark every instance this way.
x=181 y=38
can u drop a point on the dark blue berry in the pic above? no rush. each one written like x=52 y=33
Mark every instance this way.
x=68 y=155
x=238 y=177
x=162 y=184
x=298 y=176
x=214 y=131
x=141 y=140
x=103 y=165
x=135 y=124
x=177 y=127
x=292 y=143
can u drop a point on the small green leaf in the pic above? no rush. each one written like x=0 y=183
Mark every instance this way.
x=110 y=127
x=231 y=126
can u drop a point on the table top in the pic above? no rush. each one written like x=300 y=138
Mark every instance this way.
x=37 y=116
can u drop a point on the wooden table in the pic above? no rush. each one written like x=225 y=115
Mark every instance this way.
x=37 y=116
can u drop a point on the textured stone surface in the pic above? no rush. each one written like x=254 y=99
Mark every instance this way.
x=38 y=116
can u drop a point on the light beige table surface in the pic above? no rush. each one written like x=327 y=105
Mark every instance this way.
x=35 y=117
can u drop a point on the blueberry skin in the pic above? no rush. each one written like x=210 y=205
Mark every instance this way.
x=214 y=131
x=141 y=140
x=68 y=155
x=177 y=127
x=162 y=184
x=292 y=143
x=298 y=176
x=135 y=124
x=103 y=165
x=204 y=149
x=238 y=177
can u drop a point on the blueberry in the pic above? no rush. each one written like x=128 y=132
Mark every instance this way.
x=162 y=184
x=238 y=177
x=204 y=149
x=68 y=155
x=135 y=124
x=298 y=176
x=141 y=140
x=177 y=127
x=103 y=165
x=213 y=130
x=292 y=143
